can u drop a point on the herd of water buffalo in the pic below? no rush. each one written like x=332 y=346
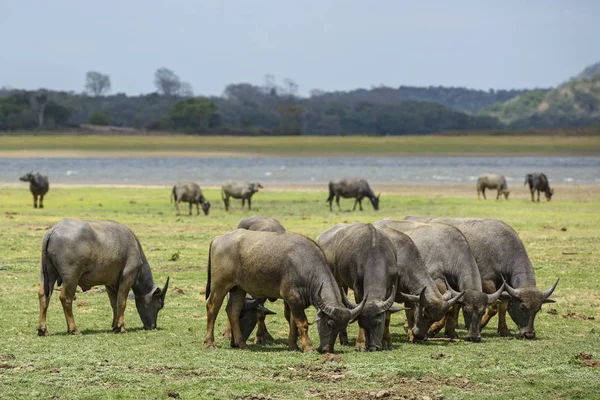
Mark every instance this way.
x=435 y=266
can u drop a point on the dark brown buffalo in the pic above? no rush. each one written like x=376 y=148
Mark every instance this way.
x=352 y=188
x=38 y=185
x=539 y=183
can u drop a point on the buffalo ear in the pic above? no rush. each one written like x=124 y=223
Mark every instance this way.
x=157 y=292
x=548 y=301
x=396 y=308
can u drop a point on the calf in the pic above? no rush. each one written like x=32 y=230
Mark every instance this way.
x=90 y=253
x=239 y=190
x=492 y=181
x=540 y=183
x=191 y=193
x=275 y=265
x=364 y=259
x=38 y=185
x=352 y=188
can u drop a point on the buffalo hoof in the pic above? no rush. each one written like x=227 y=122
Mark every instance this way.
x=117 y=329
x=310 y=349
x=293 y=348
x=211 y=347
x=504 y=332
x=344 y=342
x=387 y=345
x=529 y=335
x=264 y=339
x=43 y=332
x=360 y=348
x=41 y=206
x=473 y=339
x=74 y=332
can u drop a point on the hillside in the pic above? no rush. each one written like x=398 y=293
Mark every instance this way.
x=575 y=103
x=589 y=71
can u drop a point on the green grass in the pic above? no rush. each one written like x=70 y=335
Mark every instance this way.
x=172 y=360
x=305 y=145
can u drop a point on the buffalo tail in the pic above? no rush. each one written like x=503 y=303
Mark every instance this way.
x=207 y=292
x=45 y=261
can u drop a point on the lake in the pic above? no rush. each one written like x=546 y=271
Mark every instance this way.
x=286 y=170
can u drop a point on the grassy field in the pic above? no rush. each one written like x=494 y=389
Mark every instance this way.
x=172 y=362
x=56 y=145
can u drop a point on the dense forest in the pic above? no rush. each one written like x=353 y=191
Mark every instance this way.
x=276 y=109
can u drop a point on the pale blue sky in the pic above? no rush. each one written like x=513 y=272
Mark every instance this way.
x=329 y=45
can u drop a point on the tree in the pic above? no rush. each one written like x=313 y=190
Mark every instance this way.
x=167 y=82
x=97 y=83
x=42 y=100
x=99 y=119
x=196 y=115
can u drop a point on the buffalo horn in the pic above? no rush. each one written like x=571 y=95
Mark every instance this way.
x=386 y=305
x=496 y=295
x=548 y=292
x=412 y=297
x=455 y=299
x=355 y=312
x=450 y=293
x=513 y=292
x=346 y=300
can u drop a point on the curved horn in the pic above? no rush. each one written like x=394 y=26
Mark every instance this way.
x=455 y=299
x=412 y=297
x=250 y=304
x=328 y=310
x=386 y=305
x=513 y=292
x=164 y=289
x=496 y=295
x=450 y=293
x=346 y=301
x=548 y=292
x=354 y=313
x=422 y=297
x=264 y=310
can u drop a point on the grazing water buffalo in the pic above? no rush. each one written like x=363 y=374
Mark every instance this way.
x=190 y=192
x=492 y=181
x=239 y=190
x=348 y=188
x=38 y=185
x=90 y=253
x=540 y=183
x=500 y=254
x=424 y=301
x=275 y=265
x=254 y=311
x=364 y=259
x=449 y=262
x=260 y=223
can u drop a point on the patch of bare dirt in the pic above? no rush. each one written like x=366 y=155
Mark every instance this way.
x=552 y=311
x=587 y=360
x=7 y=357
x=578 y=316
x=178 y=290
x=314 y=373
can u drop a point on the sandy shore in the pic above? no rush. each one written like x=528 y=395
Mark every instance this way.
x=467 y=191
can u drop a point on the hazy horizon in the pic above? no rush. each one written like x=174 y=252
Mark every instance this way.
x=338 y=45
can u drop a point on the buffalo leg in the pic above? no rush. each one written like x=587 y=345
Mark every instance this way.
x=249 y=203
x=112 y=296
x=360 y=204
x=355 y=202
x=67 y=295
x=44 y=302
x=122 y=292
x=226 y=203
x=360 y=340
x=42 y=200
x=337 y=201
x=213 y=305
x=177 y=206
x=190 y=213
x=343 y=335
x=452 y=322
x=227 y=332
x=502 y=327
x=478 y=194
x=483 y=193
x=498 y=194
x=387 y=337
x=489 y=314
x=538 y=192
x=262 y=334
x=293 y=333
x=437 y=326
x=234 y=308
x=197 y=208
x=34 y=201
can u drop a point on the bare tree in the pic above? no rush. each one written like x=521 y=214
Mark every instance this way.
x=167 y=82
x=186 y=90
x=97 y=83
x=291 y=87
x=42 y=100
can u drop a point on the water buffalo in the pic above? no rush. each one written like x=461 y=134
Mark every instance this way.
x=38 y=185
x=364 y=259
x=275 y=265
x=492 y=181
x=90 y=253
x=348 y=188
x=260 y=223
x=191 y=193
x=449 y=262
x=254 y=312
x=540 y=183
x=239 y=190
x=424 y=301
x=500 y=254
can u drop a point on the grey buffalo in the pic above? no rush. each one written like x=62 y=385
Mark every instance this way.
x=275 y=265
x=426 y=304
x=492 y=181
x=90 y=253
x=364 y=259
x=352 y=188
x=254 y=312
x=239 y=190
x=539 y=183
x=38 y=185
x=450 y=263
x=191 y=193
x=500 y=254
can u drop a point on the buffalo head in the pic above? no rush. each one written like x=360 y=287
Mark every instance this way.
x=523 y=305
x=252 y=310
x=150 y=304
x=549 y=192
x=28 y=177
x=427 y=311
x=375 y=202
x=332 y=320
x=205 y=206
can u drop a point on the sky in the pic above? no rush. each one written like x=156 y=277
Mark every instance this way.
x=327 y=45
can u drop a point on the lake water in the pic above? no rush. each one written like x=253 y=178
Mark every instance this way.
x=300 y=170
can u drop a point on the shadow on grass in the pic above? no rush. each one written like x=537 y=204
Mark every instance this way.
x=105 y=331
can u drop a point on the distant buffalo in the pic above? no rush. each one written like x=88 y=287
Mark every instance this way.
x=540 y=183
x=38 y=185
x=239 y=190
x=352 y=188
x=190 y=192
x=492 y=181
